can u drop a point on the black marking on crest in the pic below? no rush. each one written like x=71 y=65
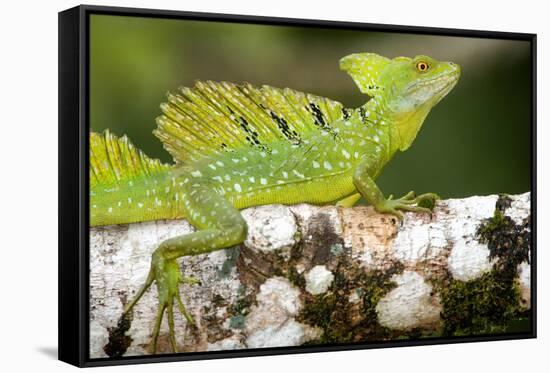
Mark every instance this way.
x=318 y=115
x=319 y=118
x=345 y=113
x=252 y=137
x=282 y=124
x=363 y=115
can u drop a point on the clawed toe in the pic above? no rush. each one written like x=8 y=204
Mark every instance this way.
x=408 y=197
x=167 y=275
x=423 y=203
x=408 y=207
x=190 y=281
x=168 y=307
x=184 y=312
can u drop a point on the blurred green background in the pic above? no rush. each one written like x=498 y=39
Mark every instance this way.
x=475 y=142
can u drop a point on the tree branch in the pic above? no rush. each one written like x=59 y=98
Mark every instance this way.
x=323 y=275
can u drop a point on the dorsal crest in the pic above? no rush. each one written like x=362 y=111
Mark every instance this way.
x=215 y=117
x=115 y=159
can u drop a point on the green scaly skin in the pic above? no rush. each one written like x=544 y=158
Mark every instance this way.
x=334 y=159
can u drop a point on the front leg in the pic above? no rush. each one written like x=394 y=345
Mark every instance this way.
x=219 y=226
x=364 y=182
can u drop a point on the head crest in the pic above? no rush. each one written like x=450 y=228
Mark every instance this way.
x=364 y=69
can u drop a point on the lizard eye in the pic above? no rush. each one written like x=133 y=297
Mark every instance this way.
x=422 y=66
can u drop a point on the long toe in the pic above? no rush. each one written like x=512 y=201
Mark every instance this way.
x=171 y=327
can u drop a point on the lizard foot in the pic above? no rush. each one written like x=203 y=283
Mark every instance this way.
x=167 y=275
x=409 y=202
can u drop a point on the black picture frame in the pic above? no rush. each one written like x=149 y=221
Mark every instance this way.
x=74 y=189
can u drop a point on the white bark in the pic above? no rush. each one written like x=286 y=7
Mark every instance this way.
x=308 y=240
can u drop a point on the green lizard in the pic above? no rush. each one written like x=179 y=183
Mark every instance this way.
x=239 y=146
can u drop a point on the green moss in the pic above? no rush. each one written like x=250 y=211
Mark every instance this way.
x=296 y=278
x=336 y=249
x=218 y=300
x=418 y=333
x=232 y=255
x=491 y=225
x=240 y=309
x=507 y=241
x=481 y=306
x=118 y=340
x=319 y=311
x=237 y=322
x=242 y=305
x=345 y=322
x=520 y=324
x=329 y=312
x=297 y=236
x=376 y=286
x=428 y=203
x=491 y=303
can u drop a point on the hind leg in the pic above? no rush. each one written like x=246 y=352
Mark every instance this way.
x=219 y=226
x=349 y=201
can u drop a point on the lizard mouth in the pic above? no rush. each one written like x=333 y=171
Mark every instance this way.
x=439 y=82
x=448 y=83
x=436 y=87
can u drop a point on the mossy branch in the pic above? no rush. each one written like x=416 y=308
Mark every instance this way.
x=314 y=275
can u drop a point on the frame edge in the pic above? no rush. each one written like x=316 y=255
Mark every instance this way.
x=70 y=350
x=73 y=170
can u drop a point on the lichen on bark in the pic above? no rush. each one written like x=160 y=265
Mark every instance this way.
x=309 y=275
x=488 y=304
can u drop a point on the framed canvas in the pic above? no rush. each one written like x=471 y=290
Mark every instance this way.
x=226 y=188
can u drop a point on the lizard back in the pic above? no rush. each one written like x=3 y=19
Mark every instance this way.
x=252 y=145
x=214 y=118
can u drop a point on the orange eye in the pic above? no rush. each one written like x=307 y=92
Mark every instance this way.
x=422 y=66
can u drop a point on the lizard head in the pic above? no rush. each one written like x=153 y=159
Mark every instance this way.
x=409 y=87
